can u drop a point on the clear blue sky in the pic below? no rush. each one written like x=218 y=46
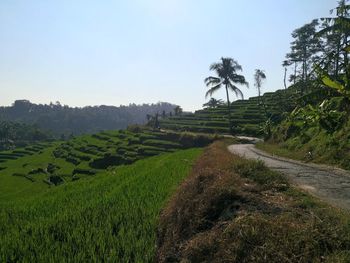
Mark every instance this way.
x=88 y=52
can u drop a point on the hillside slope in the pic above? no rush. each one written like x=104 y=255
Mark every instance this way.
x=38 y=167
x=247 y=115
x=314 y=133
x=110 y=218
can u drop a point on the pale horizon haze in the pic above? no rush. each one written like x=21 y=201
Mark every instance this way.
x=112 y=52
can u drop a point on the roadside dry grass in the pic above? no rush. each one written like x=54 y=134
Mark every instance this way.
x=235 y=210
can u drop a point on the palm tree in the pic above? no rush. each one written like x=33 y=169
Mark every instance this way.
x=226 y=71
x=213 y=103
x=259 y=76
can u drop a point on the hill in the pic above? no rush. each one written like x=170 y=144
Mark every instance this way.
x=65 y=120
x=247 y=115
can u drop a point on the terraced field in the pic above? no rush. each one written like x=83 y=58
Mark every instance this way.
x=247 y=115
x=109 y=218
x=31 y=169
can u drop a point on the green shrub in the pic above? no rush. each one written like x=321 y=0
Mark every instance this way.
x=106 y=161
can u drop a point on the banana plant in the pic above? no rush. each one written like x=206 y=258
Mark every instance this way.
x=341 y=84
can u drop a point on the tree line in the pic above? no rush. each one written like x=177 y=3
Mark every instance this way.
x=319 y=53
x=64 y=121
x=14 y=134
x=318 y=63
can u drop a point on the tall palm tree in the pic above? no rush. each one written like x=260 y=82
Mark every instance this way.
x=259 y=76
x=227 y=77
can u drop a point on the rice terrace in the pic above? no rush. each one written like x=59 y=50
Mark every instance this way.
x=193 y=131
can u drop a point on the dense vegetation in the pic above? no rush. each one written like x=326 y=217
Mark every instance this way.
x=234 y=210
x=317 y=129
x=14 y=135
x=111 y=217
x=64 y=120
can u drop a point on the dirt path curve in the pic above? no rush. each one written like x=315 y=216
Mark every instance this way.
x=328 y=183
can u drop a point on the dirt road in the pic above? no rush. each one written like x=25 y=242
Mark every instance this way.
x=328 y=183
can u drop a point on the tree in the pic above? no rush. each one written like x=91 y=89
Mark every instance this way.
x=259 y=77
x=338 y=30
x=177 y=110
x=285 y=75
x=213 y=103
x=227 y=77
x=156 y=122
x=304 y=51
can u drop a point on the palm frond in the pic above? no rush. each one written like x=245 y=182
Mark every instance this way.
x=215 y=66
x=239 y=79
x=212 y=80
x=212 y=90
x=236 y=90
x=226 y=75
x=260 y=73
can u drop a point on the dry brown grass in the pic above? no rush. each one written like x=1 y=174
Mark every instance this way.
x=233 y=210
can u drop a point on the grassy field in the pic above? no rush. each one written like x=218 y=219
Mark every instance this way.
x=111 y=217
x=43 y=166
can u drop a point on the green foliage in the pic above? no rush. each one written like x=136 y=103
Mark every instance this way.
x=323 y=142
x=265 y=129
x=14 y=135
x=341 y=84
x=321 y=116
x=304 y=51
x=112 y=217
x=328 y=116
x=213 y=103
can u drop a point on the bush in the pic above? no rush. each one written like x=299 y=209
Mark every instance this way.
x=135 y=128
x=55 y=180
x=72 y=160
x=106 y=161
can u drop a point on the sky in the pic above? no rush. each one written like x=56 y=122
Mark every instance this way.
x=113 y=52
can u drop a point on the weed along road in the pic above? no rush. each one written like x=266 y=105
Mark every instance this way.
x=328 y=183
